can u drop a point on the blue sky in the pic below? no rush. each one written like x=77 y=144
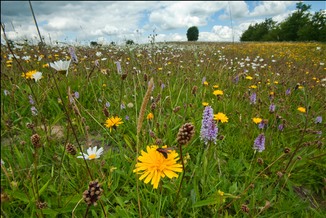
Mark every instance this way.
x=79 y=22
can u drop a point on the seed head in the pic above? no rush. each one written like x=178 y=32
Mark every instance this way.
x=41 y=205
x=36 y=140
x=106 y=112
x=186 y=132
x=71 y=149
x=194 y=90
x=176 y=109
x=245 y=208
x=93 y=193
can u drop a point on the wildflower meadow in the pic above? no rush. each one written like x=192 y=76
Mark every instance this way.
x=188 y=129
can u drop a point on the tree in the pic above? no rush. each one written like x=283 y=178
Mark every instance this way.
x=314 y=29
x=259 y=31
x=299 y=26
x=193 y=33
x=291 y=26
x=129 y=42
x=94 y=43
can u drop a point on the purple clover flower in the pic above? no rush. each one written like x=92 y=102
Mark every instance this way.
x=259 y=143
x=288 y=91
x=209 y=130
x=122 y=106
x=281 y=127
x=107 y=104
x=162 y=86
x=253 y=98
x=236 y=79
x=118 y=67
x=73 y=55
x=34 y=111
x=319 y=119
x=76 y=95
x=31 y=101
x=261 y=125
x=272 y=108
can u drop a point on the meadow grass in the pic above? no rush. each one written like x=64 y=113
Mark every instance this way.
x=224 y=179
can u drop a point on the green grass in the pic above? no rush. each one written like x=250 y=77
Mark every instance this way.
x=271 y=183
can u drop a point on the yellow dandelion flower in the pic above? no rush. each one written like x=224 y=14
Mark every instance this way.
x=257 y=120
x=221 y=117
x=153 y=165
x=205 y=83
x=302 y=109
x=33 y=74
x=249 y=77
x=205 y=104
x=160 y=68
x=215 y=86
x=253 y=87
x=113 y=122
x=218 y=92
x=150 y=116
x=29 y=74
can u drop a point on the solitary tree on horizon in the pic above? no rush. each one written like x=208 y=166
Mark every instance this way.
x=193 y=33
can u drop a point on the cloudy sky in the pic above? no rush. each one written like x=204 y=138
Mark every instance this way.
x=106 y=21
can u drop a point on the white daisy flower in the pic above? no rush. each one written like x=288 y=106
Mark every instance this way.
x=61 y=66
x=37 y=76
x=92 y=153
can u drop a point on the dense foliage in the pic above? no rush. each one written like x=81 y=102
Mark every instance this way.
x=192 y=33
x=299 y=26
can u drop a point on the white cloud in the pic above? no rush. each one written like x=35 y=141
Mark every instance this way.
x=184 y=14
x=271 y=8
x=237 y=9
x=117 y=21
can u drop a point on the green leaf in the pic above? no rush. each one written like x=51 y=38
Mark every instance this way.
x=44 y=187
x=210 y=201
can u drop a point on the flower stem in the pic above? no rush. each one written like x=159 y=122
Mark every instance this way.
x=183 y=172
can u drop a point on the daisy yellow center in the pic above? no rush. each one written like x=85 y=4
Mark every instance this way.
x=92 y=156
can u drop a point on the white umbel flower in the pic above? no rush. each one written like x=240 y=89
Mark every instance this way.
x=92 y=153
x=61 y=66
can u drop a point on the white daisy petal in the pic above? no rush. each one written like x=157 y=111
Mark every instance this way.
x=93 y=153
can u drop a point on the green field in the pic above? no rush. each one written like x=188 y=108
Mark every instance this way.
x=46 y=123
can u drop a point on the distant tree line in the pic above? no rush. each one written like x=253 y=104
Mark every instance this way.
x=299 y=26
